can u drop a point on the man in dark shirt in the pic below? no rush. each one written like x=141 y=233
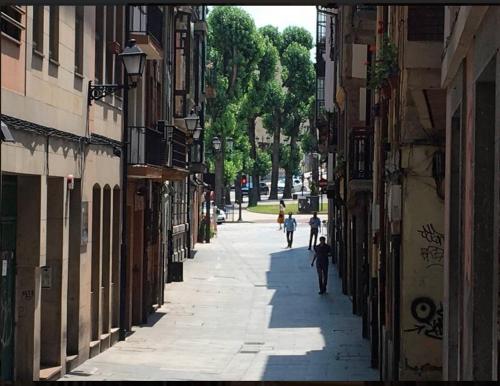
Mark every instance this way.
x=323 y=250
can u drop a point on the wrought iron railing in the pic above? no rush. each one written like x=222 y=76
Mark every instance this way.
x=147 y=146
x=147 y=20
x=361 y=154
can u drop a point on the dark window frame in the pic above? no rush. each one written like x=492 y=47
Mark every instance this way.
x=37 y=33
x=425 y=23
x=182 y=47
x=54 y=33
x=79 y=41
x=99 y=45
x=12 y=26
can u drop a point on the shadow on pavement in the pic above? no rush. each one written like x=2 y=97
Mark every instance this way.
x=296 y=304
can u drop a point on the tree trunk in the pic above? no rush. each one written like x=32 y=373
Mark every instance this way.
x=273 y=195
x=314 y=169
x=219 y=179
x=253 y=194
x=287 y=192
x=227 y=192
x=237 y=189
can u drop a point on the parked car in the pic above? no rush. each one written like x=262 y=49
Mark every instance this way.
x=296 y=185
x=221 y=216
x=264 y=189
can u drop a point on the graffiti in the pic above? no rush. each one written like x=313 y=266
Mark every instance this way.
x=27 y=294
x=431 y=235
x=433 y=253
x=428 y=317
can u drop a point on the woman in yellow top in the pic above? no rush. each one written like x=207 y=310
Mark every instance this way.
x=281 y=216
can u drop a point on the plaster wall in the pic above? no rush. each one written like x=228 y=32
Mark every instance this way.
x=421 y=323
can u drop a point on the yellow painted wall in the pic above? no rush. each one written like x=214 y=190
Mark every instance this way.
x=422 y=251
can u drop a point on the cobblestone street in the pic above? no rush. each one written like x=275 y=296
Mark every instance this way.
x=248 y=309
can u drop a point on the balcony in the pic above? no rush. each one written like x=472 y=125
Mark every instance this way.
x=360 y=159
x=146 y=27
x=159 y=153
x=147 y=146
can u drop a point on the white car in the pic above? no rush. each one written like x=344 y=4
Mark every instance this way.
x=221 y=216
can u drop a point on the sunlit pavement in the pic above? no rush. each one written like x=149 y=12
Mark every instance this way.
x=248 y=309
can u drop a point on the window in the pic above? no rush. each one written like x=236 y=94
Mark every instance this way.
x=182 y=63
x=99 y=44
x=54 y=33
x=11 y=22
x=119 y=37
x=425 y=23
x=79 y=40
x=38 y=11
x=110 y=29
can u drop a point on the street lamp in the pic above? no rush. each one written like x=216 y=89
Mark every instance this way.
x=229 y=142
x=134 y=61
x=216 y=143
x=197 y=133
x=191 y=122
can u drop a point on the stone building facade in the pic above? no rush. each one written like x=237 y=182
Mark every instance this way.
x=61 y=177
x=428 y=285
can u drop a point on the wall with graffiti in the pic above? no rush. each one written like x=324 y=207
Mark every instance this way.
x=422 y=252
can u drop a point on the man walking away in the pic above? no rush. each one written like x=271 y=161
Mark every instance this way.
x=323 y=250
x=289 y=228
x=314 y=223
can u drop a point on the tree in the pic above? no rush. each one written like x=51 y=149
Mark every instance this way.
x=293 y=34
x=298 y=79
x=272 y=121
x=273 y=34
x=234 y=49
x=252 y=105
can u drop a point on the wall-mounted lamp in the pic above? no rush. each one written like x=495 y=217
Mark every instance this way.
x=134 y=61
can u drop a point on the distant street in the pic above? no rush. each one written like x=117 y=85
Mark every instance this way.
x=248 y=309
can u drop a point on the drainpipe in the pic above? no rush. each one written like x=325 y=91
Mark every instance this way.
x=124 y=245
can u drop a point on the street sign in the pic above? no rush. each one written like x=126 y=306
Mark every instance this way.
x=323 y=183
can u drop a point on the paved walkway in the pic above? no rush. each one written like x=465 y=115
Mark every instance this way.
x=248 y=309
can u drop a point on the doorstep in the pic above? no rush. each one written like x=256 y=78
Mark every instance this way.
x=50 y=373
x=94 y=348
x=71 y=362
x=115 y=335
x=104 y=342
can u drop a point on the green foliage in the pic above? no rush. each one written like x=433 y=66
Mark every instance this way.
x=297 y=35
x=263 y=163
x=307 y=142
x=235 y=49
x=384 y=66
x=273 y=34
x=289 y=162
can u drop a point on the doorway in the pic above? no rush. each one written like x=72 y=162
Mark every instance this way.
x=8 y=216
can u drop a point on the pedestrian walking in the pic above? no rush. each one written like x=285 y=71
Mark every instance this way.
x=289 y=228
x=323 y=250
x=315 y=224
x=281 y=215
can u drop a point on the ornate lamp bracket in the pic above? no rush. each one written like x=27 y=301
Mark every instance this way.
x=99 y=91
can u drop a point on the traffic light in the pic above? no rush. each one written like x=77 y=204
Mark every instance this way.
x=243 y=180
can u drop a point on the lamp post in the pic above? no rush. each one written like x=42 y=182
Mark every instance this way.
x=216 y=143
x=133 y=60
x=191 y=122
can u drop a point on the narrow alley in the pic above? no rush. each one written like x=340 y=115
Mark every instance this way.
x=248 y=309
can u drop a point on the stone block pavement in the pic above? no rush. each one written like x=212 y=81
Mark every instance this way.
x=248 y=310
